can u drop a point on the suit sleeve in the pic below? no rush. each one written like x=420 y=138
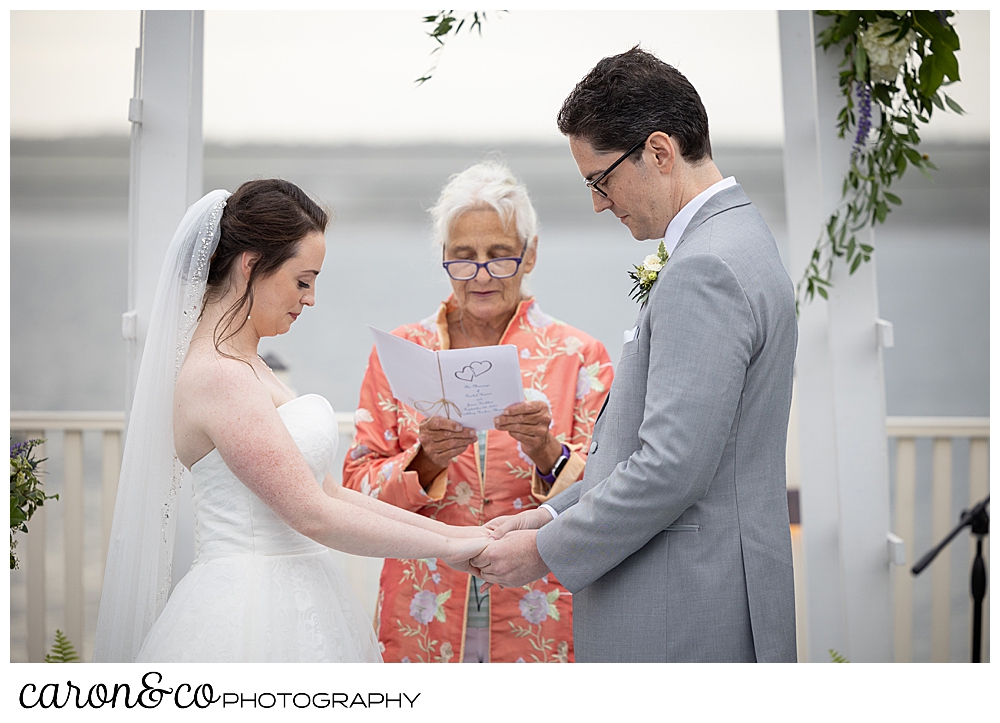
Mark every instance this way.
x=702 y=334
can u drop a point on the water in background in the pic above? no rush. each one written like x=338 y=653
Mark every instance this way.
x=69 y=209
x=69 y=204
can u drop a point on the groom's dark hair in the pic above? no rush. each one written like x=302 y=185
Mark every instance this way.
x=627 y=97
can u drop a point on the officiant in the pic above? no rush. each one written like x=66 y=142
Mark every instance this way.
x=427 y=612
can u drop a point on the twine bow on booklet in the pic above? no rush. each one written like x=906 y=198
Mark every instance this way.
x=432 y=408
x=472 y=385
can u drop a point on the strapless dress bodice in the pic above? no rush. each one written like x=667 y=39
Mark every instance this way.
x=232 y=520
x=258 y=591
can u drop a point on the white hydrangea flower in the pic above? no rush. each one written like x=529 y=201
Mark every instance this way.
x=885 y=57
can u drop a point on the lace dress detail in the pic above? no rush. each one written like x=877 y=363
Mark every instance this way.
x=259 y=591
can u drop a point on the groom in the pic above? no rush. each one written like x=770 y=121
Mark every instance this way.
x=675 y=544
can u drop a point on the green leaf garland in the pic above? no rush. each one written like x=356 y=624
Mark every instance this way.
x=897 y=61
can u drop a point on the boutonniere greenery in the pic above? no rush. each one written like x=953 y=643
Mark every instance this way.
x=645 y=275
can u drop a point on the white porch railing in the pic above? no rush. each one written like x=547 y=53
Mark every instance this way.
x=70 y=426
x=71 y=613
x=66 y=430
x=942 y=431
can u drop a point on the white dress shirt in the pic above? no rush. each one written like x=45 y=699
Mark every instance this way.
x=679 y=223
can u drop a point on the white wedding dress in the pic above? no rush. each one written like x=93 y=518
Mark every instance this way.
x=259 y=591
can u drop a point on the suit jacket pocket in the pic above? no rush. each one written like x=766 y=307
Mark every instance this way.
x=683 y=528
x=630 y=348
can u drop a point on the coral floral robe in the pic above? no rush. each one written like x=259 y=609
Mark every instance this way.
x=422 y=604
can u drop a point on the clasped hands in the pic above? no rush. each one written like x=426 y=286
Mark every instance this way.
x=511 y=557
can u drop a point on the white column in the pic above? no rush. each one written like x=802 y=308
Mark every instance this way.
x=841 y=415
x=165 y=178
x=166 y=158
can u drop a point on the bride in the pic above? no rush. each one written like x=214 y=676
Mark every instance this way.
x=264 y=586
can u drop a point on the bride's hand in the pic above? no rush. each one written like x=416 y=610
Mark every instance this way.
x=471 y=532
x=460 y=550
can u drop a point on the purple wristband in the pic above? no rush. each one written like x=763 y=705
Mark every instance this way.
x=556 y=468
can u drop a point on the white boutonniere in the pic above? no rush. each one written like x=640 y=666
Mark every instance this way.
x=645 y=275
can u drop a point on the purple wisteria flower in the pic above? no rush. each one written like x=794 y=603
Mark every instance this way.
x=534 y=607
x=864 y=119
x=423 y=606
x=23 y=449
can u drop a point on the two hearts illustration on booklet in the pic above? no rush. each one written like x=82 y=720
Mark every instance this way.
x=471 y=386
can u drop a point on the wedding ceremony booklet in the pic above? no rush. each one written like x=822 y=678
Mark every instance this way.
x=469 y=386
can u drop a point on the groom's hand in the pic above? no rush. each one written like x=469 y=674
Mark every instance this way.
x=527 y=520
x=511 y=561
x=464 y=566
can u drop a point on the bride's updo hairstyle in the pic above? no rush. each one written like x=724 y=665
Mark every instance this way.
x=268 y=217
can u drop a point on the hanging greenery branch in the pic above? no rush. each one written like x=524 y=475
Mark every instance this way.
x=26 y=493
x=445 y=23
x=896 y=62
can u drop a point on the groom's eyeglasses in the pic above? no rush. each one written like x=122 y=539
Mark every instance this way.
x=592 y=185
x=501 y=268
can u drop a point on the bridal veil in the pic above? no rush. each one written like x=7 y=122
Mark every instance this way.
x=137 y=576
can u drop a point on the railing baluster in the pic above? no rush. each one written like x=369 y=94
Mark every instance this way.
x=979 y=487
x=906 y=477
x=34 y=561
x=111 y=465
x=904 y=429
x=72 y=503
x=941 y=524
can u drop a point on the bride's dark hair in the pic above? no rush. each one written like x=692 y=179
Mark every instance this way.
x=269 y=217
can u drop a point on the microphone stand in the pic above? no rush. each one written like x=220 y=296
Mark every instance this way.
x=978 y=520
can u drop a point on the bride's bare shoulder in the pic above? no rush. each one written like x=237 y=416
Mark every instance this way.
x=210 y=377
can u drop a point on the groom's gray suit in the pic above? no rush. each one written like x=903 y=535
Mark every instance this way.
x=675 y=544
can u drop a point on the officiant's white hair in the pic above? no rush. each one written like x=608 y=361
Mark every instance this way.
x=489 y=184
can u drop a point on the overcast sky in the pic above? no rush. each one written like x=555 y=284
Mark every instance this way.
x=347 y=76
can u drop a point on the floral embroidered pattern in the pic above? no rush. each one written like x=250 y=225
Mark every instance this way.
x=447 y=653
x=538 y=318
x=537 y=606
x=561 y=366
x=588 y=381
x=426 y=607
